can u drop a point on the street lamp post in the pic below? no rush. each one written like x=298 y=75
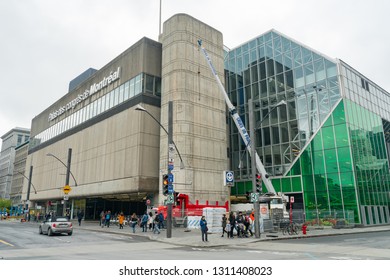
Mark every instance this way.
x=68 y=173
x=170 y=142
x=142 y=109
x=252 y=143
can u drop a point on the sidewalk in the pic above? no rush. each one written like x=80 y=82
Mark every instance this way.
x=192 y=237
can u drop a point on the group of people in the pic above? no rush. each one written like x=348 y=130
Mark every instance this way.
x=150 y=221
x=240 y=222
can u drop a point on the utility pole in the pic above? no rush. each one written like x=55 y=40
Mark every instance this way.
x=29 y=187
x=253 y=168
x=67 y=176
x=170 y=143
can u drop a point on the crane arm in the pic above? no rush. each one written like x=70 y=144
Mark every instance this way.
x=239 y=124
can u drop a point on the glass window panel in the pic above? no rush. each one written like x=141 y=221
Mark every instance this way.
x=296 y=184
x=270 y=67
x=306 y=55
x=149 y=83
x=121 y=93
x=263 y=73
x=99 y=106
x=157 y=87
x=269 y=49
x=345 y=160
x=111 y=95
x=309 y=73
x=297 y=59
x=286 y=185
x=116 y=96
x=132 y=87
x=127 y=90
x=341 y=135
x=331 y=69
x=299 y=80
x=94 y=109
x=255 y=74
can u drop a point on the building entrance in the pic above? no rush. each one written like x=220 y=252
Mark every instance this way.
x=94 y=206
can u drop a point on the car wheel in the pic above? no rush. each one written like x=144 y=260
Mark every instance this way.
x=40 y=230
x=70 y=233
x=49 y=232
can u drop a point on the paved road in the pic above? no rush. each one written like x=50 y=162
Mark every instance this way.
x=21 y=241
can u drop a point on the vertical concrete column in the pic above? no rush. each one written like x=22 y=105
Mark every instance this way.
x=199 y=110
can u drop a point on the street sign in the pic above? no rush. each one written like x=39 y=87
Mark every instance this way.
x=66 y=197
x=171 y=150
x=291 y=199
x=170 y=166
x=170 y=199
x=170 y=189
x=66 y=189
x=254 y=197
x=170 y=178
x=228 y=178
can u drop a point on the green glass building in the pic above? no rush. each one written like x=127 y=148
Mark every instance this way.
x=329 y=146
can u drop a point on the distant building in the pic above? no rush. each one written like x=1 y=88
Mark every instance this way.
x=19 y=175
x=15 y=137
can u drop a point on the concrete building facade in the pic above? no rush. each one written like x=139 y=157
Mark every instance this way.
x=12 y=139
x=119 y=154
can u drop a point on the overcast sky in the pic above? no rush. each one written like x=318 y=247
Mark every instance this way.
x=46 y=43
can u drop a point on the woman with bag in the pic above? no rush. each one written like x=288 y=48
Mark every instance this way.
x=203 y=228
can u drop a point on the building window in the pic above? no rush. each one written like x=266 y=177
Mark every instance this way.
x=365 y=84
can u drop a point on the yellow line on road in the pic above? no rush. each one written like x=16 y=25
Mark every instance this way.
x=6 y=243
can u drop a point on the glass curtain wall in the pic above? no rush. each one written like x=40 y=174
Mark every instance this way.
x=269 y=69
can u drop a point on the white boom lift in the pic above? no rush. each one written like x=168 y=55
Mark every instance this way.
x=240 y=125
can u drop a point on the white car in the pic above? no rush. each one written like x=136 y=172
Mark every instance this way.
x=55 y=225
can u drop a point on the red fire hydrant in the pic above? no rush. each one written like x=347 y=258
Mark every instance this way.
x=304 y=228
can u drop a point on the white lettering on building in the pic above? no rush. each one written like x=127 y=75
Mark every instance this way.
x=96 y=87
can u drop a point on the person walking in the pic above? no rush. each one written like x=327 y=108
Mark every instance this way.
x=150 y=221
x=134 y=221
x=121 y=220
x=160 y=220
x=156 y=229
x=204 y=229
x=108 y=218
x=102 y=218
x=224 y=222
x=232 y=221
x=144 y=222
x=80 y=216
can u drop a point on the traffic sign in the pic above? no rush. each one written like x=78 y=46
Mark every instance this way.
x=66 y=189
x=66 y=197
x=170 y=178
x=228 y=178
x=170 y=199
x=254 y=197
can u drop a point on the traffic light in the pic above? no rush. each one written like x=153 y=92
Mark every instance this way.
x=165 y=184
x=258 y=183
x=176 y=198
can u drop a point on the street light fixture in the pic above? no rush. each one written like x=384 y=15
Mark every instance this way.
x=252 y=130
x=66 y=166
x=67 y=174
x=142 y=109
x=280 y=103
x=35 y=190
x=170 y=142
